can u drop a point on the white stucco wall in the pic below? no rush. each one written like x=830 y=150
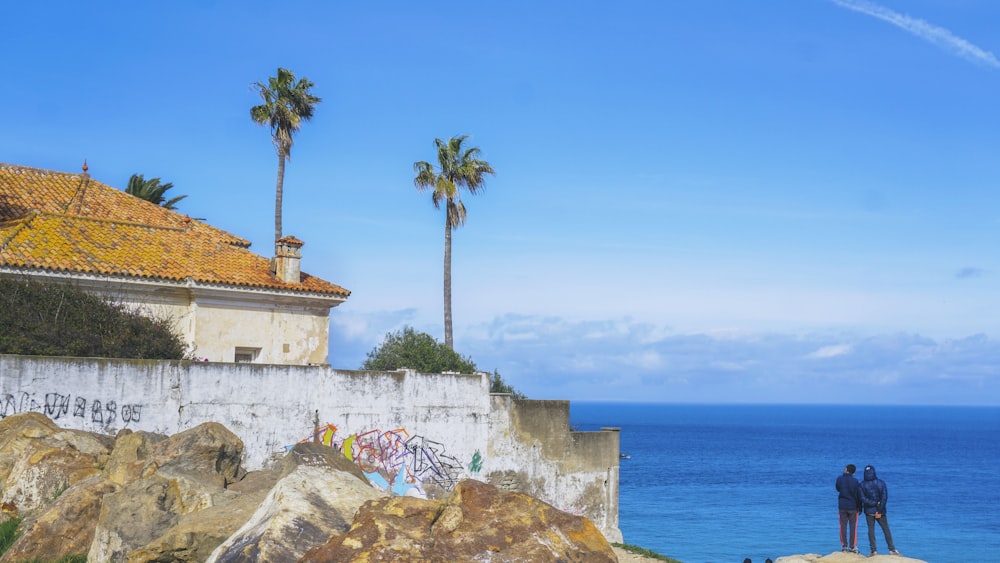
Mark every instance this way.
x=424 y=431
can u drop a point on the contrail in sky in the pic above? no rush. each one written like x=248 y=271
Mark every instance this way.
x=931 y=33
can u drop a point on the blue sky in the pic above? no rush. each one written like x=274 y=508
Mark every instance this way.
x=695 y=201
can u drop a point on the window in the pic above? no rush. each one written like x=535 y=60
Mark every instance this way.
x=246 y=355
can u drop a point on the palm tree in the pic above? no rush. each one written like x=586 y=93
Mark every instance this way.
x=287 y=104
x=459 y=167
x=152 y=191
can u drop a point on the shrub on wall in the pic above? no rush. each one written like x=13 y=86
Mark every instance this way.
x=498 y=385
x=58 y=320
x=419 y=351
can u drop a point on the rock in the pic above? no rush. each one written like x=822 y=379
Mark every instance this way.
x=129 y=455
x=197 y=534
x=208 y=452
x=842 y=557
x=314 y=500
x=64 y=528
x=145 y=510
x=310 y=453
x=164 y=481
x=477 y=522
x=39 y=461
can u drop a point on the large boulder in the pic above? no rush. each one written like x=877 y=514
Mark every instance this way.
x=66 y=527
x=316 y=498
x=144 y=510
x=165 y=480
x=197 y=534
x=477 y=522
x=39 y=461
x=208 y=453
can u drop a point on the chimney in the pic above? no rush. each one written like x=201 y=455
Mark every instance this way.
x=287 y=256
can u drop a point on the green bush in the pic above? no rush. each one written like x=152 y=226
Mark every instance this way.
x=42 y=319
x=498 y=385
x=419 y=351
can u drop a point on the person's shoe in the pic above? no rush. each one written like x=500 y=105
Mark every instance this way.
x=893 y=552
x=855 y=550
x=844 y=548
x=873 y=553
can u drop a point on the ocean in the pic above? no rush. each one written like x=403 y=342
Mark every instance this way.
x=719 y=483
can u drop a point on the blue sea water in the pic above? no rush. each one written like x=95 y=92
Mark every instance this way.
x=718 y=483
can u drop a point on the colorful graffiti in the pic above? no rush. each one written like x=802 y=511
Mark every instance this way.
x=396 y=462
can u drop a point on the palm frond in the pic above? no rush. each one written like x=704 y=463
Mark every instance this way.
x=152 y=190
x=287 y=104
x=458 y=168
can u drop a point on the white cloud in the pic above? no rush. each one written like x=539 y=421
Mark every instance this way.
x=546 y=357
x=626 y=364
x=830 y=351
x=926 y=31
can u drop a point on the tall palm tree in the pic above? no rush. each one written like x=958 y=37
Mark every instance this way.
x=152 y=191
x=459 y=167
x=287 y=104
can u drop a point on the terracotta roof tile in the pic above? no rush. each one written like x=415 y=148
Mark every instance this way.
x=72 y=223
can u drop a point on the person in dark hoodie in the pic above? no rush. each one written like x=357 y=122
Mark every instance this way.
x=848 y=505
x=874 y=496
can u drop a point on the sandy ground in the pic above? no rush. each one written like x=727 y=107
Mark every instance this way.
x=836 y=557
x=629 y=557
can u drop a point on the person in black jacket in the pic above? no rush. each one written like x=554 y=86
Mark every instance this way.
x=848 y=506
x=874 y=495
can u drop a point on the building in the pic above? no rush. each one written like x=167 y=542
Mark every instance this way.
x=227 y=303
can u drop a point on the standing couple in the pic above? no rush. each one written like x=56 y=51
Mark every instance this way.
x=871 y=496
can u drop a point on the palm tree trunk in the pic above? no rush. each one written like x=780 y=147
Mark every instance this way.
x=277 y=195
x=447 y=283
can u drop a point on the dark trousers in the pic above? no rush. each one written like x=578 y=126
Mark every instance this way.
x=884 y=522
x=849 y=528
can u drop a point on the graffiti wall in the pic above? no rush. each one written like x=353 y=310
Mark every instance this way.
x=398 y=462
x=410 y=433
x=58 y=406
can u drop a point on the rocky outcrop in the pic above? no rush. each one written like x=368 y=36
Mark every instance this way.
x=39 y=461
x=842 y=557
x=197 y=534
x=477 y=522
x=317 y=497
x=65 y=527
x=165 y=480
x=142 y=497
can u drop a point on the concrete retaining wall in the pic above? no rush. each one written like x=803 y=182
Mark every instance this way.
x=411 y=433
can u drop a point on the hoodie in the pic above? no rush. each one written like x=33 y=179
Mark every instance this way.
x=874 y=494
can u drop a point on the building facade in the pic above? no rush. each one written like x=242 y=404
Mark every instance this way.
x=227 y=303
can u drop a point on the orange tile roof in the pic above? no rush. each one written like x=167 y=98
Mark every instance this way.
x=71 y=223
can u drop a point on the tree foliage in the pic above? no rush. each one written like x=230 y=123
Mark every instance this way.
x=419 y=351
x=152 y=191
x=286 y=104
x=60 y=320
x=459 y=167
x=498 y=385
x=408 y=348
